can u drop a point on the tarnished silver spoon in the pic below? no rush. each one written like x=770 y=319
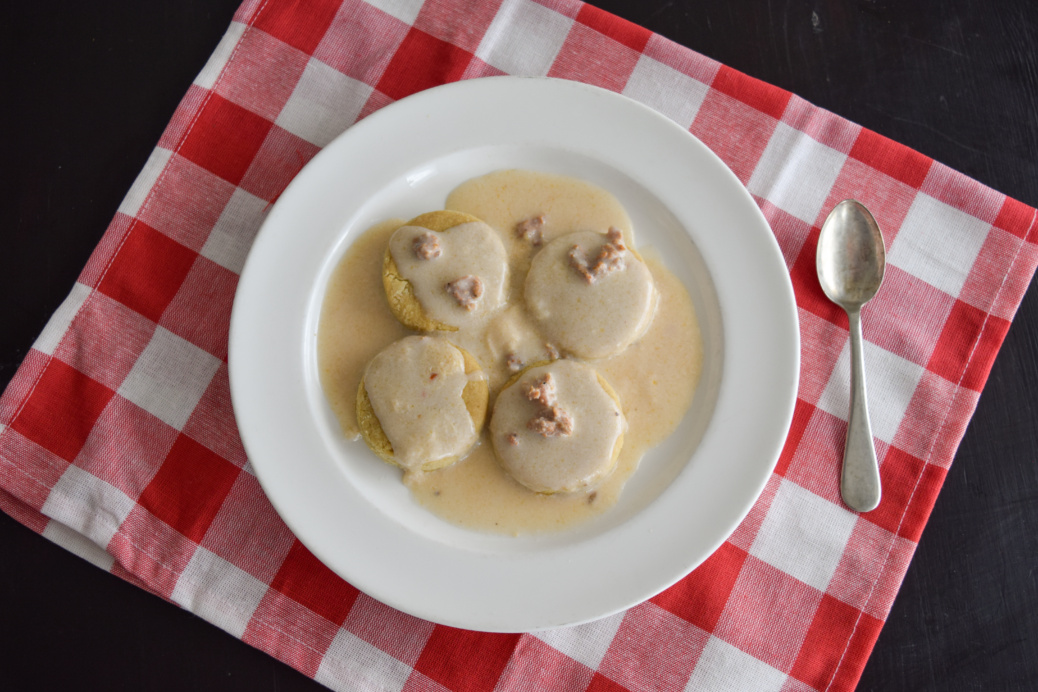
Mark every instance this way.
x=850 y=263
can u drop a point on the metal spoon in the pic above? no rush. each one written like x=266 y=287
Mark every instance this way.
x=850 y=263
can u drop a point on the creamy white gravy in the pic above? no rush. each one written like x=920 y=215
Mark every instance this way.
x=415 y=386
x=589 y=319
x=468 y=249
x=655 y=377
x=562 y=462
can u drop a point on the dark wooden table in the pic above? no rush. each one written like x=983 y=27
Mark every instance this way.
x=90 y=86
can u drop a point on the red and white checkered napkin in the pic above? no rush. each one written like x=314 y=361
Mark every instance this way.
x=117 y=438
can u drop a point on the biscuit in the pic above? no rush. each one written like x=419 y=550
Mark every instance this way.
x=565 y=441
x=445 y=270
x=593 y=297
x=400 y=293
x=474 y=395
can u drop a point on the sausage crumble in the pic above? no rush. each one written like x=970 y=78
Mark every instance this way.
x=426 y=246
x=530 y=230
x=466 y=290
x=551 y=420
x=610 y=257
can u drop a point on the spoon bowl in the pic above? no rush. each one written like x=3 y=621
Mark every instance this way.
x=850 y=262
x=850 y=258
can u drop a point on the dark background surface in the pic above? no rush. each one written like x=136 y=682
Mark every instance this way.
x=89 y=88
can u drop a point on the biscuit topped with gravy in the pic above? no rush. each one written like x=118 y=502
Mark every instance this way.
x=591 y=294
x=444 y=270
x=558 y=427
x=421 y=403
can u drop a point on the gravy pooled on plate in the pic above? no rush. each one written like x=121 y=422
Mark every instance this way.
x=653 y=378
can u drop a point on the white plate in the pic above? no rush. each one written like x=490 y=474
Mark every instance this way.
x=352 y=511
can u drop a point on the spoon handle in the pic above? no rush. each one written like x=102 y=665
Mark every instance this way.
x=859 y=482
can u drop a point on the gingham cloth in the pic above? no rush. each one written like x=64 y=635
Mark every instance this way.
x=117 y=439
